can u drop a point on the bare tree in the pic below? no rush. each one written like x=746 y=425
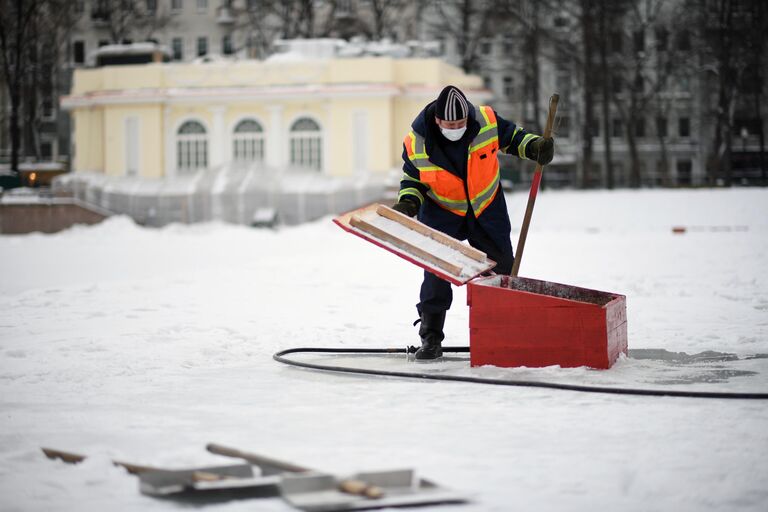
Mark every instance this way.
x=384 y=14
x=15 y=26
x=724 y=53
x=31 y=34
x=128 y=19
x=466 y=22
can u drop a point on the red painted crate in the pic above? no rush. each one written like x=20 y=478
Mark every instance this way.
x=515 y=321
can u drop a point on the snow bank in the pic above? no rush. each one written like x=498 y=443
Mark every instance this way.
x=123 y=342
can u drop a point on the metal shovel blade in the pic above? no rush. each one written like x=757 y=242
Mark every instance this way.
x=316 y=492
x=209 y=484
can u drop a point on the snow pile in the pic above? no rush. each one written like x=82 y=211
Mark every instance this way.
x=137 y=344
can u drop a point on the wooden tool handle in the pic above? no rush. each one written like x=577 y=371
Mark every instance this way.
x=553 y=100
x=534 y=188
x=254 y=458
x=349 y=486
x=360 y=488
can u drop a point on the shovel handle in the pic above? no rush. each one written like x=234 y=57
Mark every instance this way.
x=254 y=458
x=534 y=188
x=349 y=486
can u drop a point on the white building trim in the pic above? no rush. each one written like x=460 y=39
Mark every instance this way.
x=208 y=95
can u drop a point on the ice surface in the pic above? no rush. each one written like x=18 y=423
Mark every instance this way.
x=142 y=345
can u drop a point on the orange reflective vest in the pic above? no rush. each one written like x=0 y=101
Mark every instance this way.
x=482 y=183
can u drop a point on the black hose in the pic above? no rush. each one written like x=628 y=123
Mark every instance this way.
x=280 y=357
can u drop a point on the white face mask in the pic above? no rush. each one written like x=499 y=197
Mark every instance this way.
x=453 y=135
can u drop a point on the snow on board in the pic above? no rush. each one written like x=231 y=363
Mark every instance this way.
x=408 y=238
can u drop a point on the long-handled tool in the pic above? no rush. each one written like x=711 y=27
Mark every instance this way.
x=199 y=485
x=534 y=188
x=350 y=486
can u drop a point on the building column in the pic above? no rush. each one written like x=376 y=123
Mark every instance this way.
x=327 y=139
x=277 y=139
x=218 y=143
x=170 y=150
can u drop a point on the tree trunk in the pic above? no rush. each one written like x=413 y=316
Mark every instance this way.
x=606 y=85
x=588 y=36
x=634 y=159
x=15 y=129
x=534 y=66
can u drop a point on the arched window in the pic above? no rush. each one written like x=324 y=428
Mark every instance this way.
x=191 y=147
x=248 y=143
x=306 y=144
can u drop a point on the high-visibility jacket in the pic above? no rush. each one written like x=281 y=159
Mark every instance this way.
x=457 y=188
x=482 y=182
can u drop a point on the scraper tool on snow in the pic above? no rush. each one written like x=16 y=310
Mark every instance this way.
x=209 y=484
x=314 y=491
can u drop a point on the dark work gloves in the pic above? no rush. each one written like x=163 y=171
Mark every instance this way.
x=406 y=206
x=542 y=150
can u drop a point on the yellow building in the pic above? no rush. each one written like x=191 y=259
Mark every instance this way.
x=343 y=117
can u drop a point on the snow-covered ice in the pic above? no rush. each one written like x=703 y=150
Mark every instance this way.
x=137 y=344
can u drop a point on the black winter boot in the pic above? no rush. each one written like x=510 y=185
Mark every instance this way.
x=431 y=332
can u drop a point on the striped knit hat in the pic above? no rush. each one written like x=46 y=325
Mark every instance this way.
x=451 y=104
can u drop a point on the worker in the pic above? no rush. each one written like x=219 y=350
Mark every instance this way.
x=451 y=181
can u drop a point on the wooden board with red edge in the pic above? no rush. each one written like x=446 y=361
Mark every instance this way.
x=413 y=241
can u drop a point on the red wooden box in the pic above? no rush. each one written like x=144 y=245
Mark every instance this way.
x=515 y=321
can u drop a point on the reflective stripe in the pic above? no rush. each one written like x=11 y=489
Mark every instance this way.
x=408 y=177
x=485 y=197
x=524 y=143
x=458 y=206
x=484 y=139
x=412 y=192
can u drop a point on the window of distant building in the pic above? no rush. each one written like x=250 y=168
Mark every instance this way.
x=684 y=172
x=151 y=6
x=226 y=45
x=177 y=5
x=616 y=41
x=177 y=45
x=639 y=40
x=202 y=5
x=78 y=52
x=191 y=147
x=202 y=46
x=46 y=148
x=48 y=106
x=563 y=129
x=661 y=126
x=640 y=128
x=248 y=141
x=684 y=126
x=306 y=144
x=509 y=89
x=618 y=128
x=616 y=84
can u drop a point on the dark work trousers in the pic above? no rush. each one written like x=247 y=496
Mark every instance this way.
x=436 y=294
